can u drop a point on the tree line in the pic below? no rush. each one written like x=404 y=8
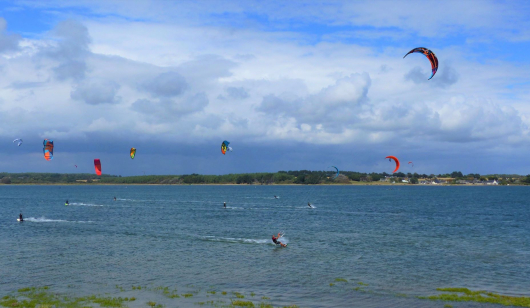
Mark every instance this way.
x=281 y=177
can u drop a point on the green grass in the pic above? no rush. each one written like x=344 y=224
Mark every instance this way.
x=40 y=297
x=242 y=303
x=466 y=295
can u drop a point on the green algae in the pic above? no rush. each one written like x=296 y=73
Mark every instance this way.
x=481 y=296
x=240 y=303
x=239 y=295
x=340 y=280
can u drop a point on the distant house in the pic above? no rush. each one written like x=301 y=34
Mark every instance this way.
x=494 y=182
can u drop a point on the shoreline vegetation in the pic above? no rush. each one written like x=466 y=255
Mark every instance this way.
x=302 y=177
x=162 y=296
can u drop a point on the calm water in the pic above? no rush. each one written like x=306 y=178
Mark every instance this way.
x=402 y=242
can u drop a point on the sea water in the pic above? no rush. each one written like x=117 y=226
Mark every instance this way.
x=359 y=246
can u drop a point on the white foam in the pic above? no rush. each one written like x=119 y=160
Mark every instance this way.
x=85 y=204
x=236 y=240
x=44 y=219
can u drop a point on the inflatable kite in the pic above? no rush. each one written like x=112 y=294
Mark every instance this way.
x=133 y=153
x=430 y=55
x=396 y=160
x=19 y=141
x=225 y=147
x=97 y=166
x=336 y=175
x=411 y=163
x=48 y=149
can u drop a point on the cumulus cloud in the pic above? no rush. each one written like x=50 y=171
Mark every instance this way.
x=333 y=106
x=166 y=85
x=95 y=92
x=445 y=77
x=170 y=109
x=8 y=42
x=237 y=93
x=71 y=50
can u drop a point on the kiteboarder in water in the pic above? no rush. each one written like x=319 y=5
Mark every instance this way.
x=276 y=241
x=20 y=217
x=114 y=198
x=309 y=204
x=224 y=204
x=66 y=203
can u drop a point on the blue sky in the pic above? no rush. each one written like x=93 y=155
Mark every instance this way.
x=292 y=85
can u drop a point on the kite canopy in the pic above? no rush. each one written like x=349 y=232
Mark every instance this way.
x=430 y=55
x=224 y=147
x=336 y=175
x=411 y=163
x=396 y=160
x=48 y=149
x=133 y=153
x=97 y=166
x=19 y=141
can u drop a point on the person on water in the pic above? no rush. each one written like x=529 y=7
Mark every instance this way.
x=20 y=217
x=275 y=197
x=277 y=242
x=224 y=204
x=114 y=198
x=309 y=204
x=66 y=203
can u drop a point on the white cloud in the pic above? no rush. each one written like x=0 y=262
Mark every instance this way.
x=177 y=81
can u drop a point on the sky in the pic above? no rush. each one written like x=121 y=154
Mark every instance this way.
x=293 y=85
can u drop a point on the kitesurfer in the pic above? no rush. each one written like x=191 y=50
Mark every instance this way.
x=224 y=204
x=20 y=217
x=114 y=198
x=309 y=204
x=275 y=197
x=276 y=241
x=66 y=203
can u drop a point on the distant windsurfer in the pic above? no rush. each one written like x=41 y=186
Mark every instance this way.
x=276 y=241
x=20 y=217
x=224 y=204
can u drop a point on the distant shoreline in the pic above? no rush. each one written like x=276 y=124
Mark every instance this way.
x=233 y=184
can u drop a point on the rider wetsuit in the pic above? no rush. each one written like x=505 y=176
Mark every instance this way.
x=275 y=240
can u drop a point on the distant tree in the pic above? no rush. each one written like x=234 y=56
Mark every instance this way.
x=414 y=181
x=457 y=174
x=6 y=180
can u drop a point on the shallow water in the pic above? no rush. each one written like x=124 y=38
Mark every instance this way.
x=401 y=241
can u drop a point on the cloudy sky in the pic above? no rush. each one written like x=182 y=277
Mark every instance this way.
x=291 y=84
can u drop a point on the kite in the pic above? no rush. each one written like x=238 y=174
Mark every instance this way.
x=75 y=166
x=133 y=153
x=225 y=147
x=411 y=163
x=19 y=141
x=97 y=166
x=430 y=55
x=336 y=175
x=48 y=149
x=396 y=160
